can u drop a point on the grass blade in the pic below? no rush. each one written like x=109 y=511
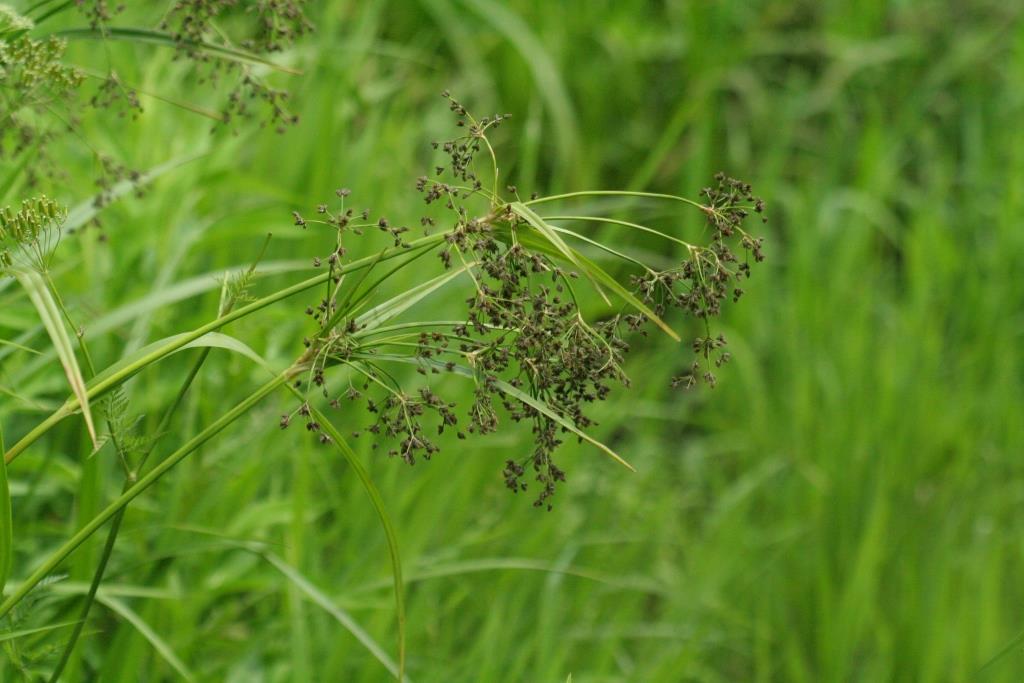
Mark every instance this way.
x=615 y=221
x=14 y=635
x=556 y=241
x=340 y=615
x=208 y=340
x=601 y=275
x=158 y=643
x=378 y=315
x=42 y=299
x=385 y=520
x=603 y=247
x=615 y=193
x=19 y=347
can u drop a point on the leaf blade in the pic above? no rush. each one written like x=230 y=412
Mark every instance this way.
x=42 y=299
x=552 y=236
x=394 y=307
x=148 y=632
x=613 y=284
x=340 y=615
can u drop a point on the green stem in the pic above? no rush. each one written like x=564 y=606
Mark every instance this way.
x=131 y=477
x=378 y=506
x=613 y=221
x=83 y=534
x=115 y=524
x=170 y=347
x=97 y=578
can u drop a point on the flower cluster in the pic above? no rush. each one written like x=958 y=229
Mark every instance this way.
x=524 y=340
x=525 y=330
x=273 y=25
x=98 y=12
x=33 y=81
x=12 y=23
x=709 y=275
x=28 y=235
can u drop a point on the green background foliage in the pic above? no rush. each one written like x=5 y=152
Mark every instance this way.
x=846 y=504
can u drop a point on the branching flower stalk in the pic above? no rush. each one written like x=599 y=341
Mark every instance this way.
x=108 y=380
x=525 y=342
x=532 y=353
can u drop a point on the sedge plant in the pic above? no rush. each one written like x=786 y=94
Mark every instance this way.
x=549 y=306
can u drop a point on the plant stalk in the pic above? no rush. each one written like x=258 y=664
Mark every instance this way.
x=170 y=347
x=83 y=534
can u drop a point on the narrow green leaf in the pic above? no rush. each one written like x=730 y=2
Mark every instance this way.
x=512 y=391
x=20 y=347
x=147 y=631
x=406 y=300
x=14 y=635
x=1014 y=645
x=339 y=614
x=603 y=247
x=600 y=274
x=615 y=193
x=385 y=520
x=552 y=236
x=615 y=221
x=210 y=339
x=42 y=299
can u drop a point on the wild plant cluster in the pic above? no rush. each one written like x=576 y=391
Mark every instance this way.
x=42 y=97
x=548 y=307
x=525 y=342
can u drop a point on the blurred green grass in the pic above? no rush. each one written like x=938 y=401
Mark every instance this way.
x=845 y=506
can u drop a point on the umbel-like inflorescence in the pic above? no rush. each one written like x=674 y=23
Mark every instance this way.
x=29 y=235
x=524 y=340
x=33 y=81
x=42 y=97
x=267 y=26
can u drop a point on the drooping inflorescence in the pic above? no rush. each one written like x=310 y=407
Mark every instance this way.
x=524 y=340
